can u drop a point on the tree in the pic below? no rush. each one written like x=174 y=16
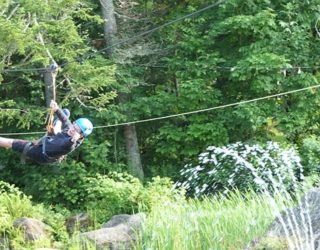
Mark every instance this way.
x=237 y=51
x=83 y=82
x=130 y=134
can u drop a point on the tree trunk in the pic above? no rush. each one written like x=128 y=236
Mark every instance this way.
x=130 y=134
x=50 y=84
x=110 y=25
x=134 y=160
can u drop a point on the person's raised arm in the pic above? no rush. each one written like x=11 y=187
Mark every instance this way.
x=66 y=123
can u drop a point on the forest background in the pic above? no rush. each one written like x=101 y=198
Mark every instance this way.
x=234 y=51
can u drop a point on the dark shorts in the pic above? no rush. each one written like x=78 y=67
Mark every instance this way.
x=18 y=145
x=34 y=152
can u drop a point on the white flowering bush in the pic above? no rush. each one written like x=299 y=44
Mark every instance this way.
x=242 y=166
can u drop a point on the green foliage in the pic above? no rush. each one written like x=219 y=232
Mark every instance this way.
x=74 y=186
x=63 y=184
x=82 y=85
x=236 y=51
x=110 y=195
x=16 y=203
x=310 y=154
x=62 y=26
x=119 y=193
x=159 y=191
x=274 y=243
x=96 y=156
x=6 y=188
x=266 y=168
x=13 y=205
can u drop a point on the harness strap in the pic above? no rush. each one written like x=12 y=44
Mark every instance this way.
x=43 y=140
x=24 y=152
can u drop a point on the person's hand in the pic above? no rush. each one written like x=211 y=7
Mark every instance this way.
x=54 y=106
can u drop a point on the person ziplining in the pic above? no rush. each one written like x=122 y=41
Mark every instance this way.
x=55 y=145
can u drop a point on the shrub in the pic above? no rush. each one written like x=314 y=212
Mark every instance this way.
x=16 y=202
x=242 y=166
x=9 y=188
x=113 y=194
x=72 y=186
x=118 y=193
x=13 y=205
x=310 y=155
x=159 y=191
x=63 y=185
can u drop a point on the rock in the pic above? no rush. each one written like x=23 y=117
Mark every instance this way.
x=118 y=233
x=4 y=243
x=131 y=221
x=80 y=221
x=46 y=249
x=33 y=229
x=268 y=243
x=117 y=219
x=299 y=226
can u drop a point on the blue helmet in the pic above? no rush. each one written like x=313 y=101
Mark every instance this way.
x=85 y=126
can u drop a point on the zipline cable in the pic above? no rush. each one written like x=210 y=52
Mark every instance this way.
x=212 y=108
x=126 y=40
x=187 y=113
x=159 y=27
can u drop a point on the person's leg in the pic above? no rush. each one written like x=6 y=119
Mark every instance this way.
x=6 y=142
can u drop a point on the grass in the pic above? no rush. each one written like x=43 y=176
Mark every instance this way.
x=212 y=223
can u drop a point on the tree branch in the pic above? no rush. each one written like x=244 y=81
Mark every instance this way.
x=13 y=12
x=318 y=33
x=40 y=38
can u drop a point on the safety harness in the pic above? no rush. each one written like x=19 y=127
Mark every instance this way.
x=26 y=148
x=41 y=143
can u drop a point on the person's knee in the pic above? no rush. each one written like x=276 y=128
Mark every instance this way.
x=18 y=145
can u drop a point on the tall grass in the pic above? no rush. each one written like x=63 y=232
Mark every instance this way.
x=212 y=223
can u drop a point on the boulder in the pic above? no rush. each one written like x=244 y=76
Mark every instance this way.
x=33 y=229
x=298 y=228
x=46 y=249
x=117 y=219
x=80 y=221
x=131 y=221
x=118 y=233
x=4 y=243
